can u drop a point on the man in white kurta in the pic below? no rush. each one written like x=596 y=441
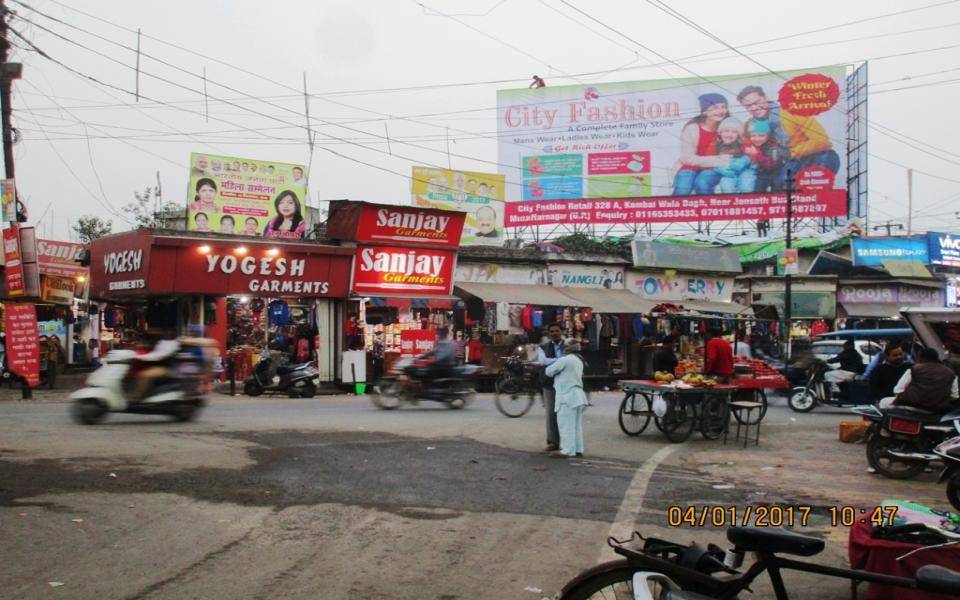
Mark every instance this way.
x=567 y=373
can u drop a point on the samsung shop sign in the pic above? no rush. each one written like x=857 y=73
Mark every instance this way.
x=944 y=249
x=869 y=252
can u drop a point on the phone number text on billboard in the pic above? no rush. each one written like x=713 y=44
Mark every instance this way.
x=826 y=203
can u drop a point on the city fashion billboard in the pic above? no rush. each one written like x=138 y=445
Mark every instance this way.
x=678 y=150
x=480 y=195
x=242 y=196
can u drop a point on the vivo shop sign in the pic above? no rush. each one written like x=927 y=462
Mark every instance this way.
x=944 y=249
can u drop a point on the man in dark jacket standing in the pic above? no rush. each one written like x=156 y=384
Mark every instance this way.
x=547 y=354
x=886 y=375
x=929 y=385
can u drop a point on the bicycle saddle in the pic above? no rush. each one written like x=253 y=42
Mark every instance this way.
x=757 y=539
x=933 y=578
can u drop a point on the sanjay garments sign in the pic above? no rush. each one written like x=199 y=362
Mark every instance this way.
x=386 y=224
x=60 y=258
x=385 y=270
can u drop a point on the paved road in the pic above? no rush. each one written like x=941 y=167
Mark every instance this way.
x=333 y=498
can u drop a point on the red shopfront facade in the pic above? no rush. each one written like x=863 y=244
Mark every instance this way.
x=214 y=285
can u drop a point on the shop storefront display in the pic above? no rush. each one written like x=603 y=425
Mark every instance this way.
x=249 y=295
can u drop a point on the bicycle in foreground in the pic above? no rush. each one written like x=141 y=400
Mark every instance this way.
x=663 y=570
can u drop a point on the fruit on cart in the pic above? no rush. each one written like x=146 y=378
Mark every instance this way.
x=664 y=376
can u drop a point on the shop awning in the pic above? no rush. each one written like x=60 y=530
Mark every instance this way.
x=722 y=308
x=871 y=310
x=609 y=301
x=543 y=295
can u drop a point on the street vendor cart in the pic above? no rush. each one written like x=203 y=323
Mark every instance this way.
x=705 y=407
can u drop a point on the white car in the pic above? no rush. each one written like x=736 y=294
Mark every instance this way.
x=827 y=349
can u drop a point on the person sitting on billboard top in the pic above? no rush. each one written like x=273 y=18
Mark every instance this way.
x=537 y=82
x=698 y=149
x=767 y=155
x=738 y=176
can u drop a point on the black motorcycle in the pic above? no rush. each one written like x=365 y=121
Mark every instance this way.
x=901 y=441
x=818 y=391
x=269 y=375
x=411 y=380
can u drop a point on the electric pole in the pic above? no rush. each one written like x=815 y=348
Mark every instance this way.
x=788 y=277
x=889 y=226
x=8 y=72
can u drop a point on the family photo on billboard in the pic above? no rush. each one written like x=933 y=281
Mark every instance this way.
x=723 y=154
x=246 y=197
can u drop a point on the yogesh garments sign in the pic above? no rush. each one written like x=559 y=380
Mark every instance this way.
x=944 y=249
x=387 y=224
x=379 y=270
x=675 y=151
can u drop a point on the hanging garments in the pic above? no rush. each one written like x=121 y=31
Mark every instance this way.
x=503 y=316
x=278 y=313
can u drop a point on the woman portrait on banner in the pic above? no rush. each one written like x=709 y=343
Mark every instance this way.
x=698 y=149
x=289 y=222
x=205 y=199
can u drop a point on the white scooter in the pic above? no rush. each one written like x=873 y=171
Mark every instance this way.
x=107 y=390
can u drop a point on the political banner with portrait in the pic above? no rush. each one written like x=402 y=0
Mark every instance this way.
x=242 y=196
x=480 y=195
x=676 y=150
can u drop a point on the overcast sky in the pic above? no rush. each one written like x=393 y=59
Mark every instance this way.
x=87 y=146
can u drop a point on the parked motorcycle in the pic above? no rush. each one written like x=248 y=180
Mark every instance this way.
x=817 y=391
x=949 y=453
x=270 y=376
x=901 y=441
x=411 y=380
x=174 y=391
x=517 y=385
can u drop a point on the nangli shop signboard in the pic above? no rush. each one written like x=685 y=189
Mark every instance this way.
x=391 y=270
x=386 y=224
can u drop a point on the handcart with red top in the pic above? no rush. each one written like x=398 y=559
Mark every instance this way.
x=683 y=408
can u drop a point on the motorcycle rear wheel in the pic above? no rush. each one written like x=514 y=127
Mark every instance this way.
x=252 y=388
x=88 y=412
x=511 y=399
x=185 y=412
x=303 y=389
x=888 y=466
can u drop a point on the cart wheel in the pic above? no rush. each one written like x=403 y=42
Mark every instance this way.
x=678 y=423
x=741 y=416
x=634 y=415
x=713 y=418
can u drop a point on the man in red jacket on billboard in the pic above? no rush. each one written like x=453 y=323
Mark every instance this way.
x=719 y=356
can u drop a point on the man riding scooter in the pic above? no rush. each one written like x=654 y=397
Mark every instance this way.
x=850 y=365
